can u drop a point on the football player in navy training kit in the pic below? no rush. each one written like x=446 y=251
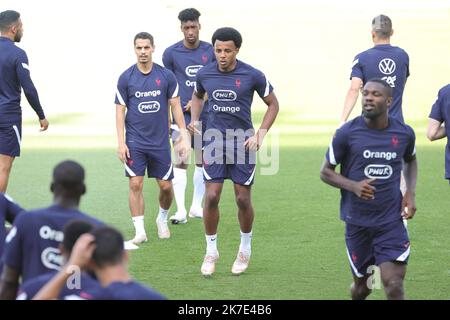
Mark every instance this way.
x=32 y=245
x=383 y=61
x=81 y=283
x=439 y=123
x=144 y=92
x=102 y=251
x=230 y=140
x=15 y=74
x=184 y=59
x=371 y=150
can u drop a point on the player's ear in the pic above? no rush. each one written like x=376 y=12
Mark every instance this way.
x=389 y=102
x=61 y=248
x=52 y=187
x=392 y=32
x=125 y=256
x=83 y=189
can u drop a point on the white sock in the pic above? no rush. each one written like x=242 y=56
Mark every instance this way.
x=138 y=222
x=199 y=189
x=211 y=245
x=162 y=215
x=246 y=242
x=179 y=188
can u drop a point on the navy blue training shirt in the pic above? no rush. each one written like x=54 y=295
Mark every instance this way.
x=440 y=111
x=14 y=75
x=388 y=63
x=365 y=153
x=32 y=245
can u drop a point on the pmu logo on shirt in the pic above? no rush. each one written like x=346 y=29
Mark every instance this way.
x=378 y=171
x=224 y=95
x=51 y=258
x=149 y=107
x=191 y=71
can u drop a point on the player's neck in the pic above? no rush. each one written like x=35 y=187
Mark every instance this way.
x=379 y=123
x=145 y=67
x=191 y=46
x=230 y=68
x=378 y=41
x=68 y=203
x=8 y=35
x=110 y=274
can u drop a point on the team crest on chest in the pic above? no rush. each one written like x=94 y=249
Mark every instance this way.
x=204 y=58
x=394 y=141
x=238 y=83
x=158 y=82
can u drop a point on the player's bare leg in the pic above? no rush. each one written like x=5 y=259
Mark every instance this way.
x=211 y=222
x=359 y=289
x=137 y=207
x=392 y=275
x=165 y=201
x=5 y=169
x=245 y=215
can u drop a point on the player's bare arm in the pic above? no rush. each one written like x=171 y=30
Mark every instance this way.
x=351 y=98
x=363 y=189
x=435 y=130
x=255 y=142
x=122 y=150
x=9 y=283
x=409 y=198
x=177 y=112
x=196 y=109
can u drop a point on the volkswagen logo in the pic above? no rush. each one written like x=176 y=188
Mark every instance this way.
x=387 y=66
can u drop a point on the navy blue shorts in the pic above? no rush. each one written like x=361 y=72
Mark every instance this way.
x=10 y=138
x=228 y=162
x=367 y=246
x=157 y=162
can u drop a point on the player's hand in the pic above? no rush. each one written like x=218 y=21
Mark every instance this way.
x=408 y=205
x=364 y=190
x=193 y=127
x=44 y=124
x=187 y=107
x=182 y=146
x=123 y=153
x=82 y=250
x=252 y=143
